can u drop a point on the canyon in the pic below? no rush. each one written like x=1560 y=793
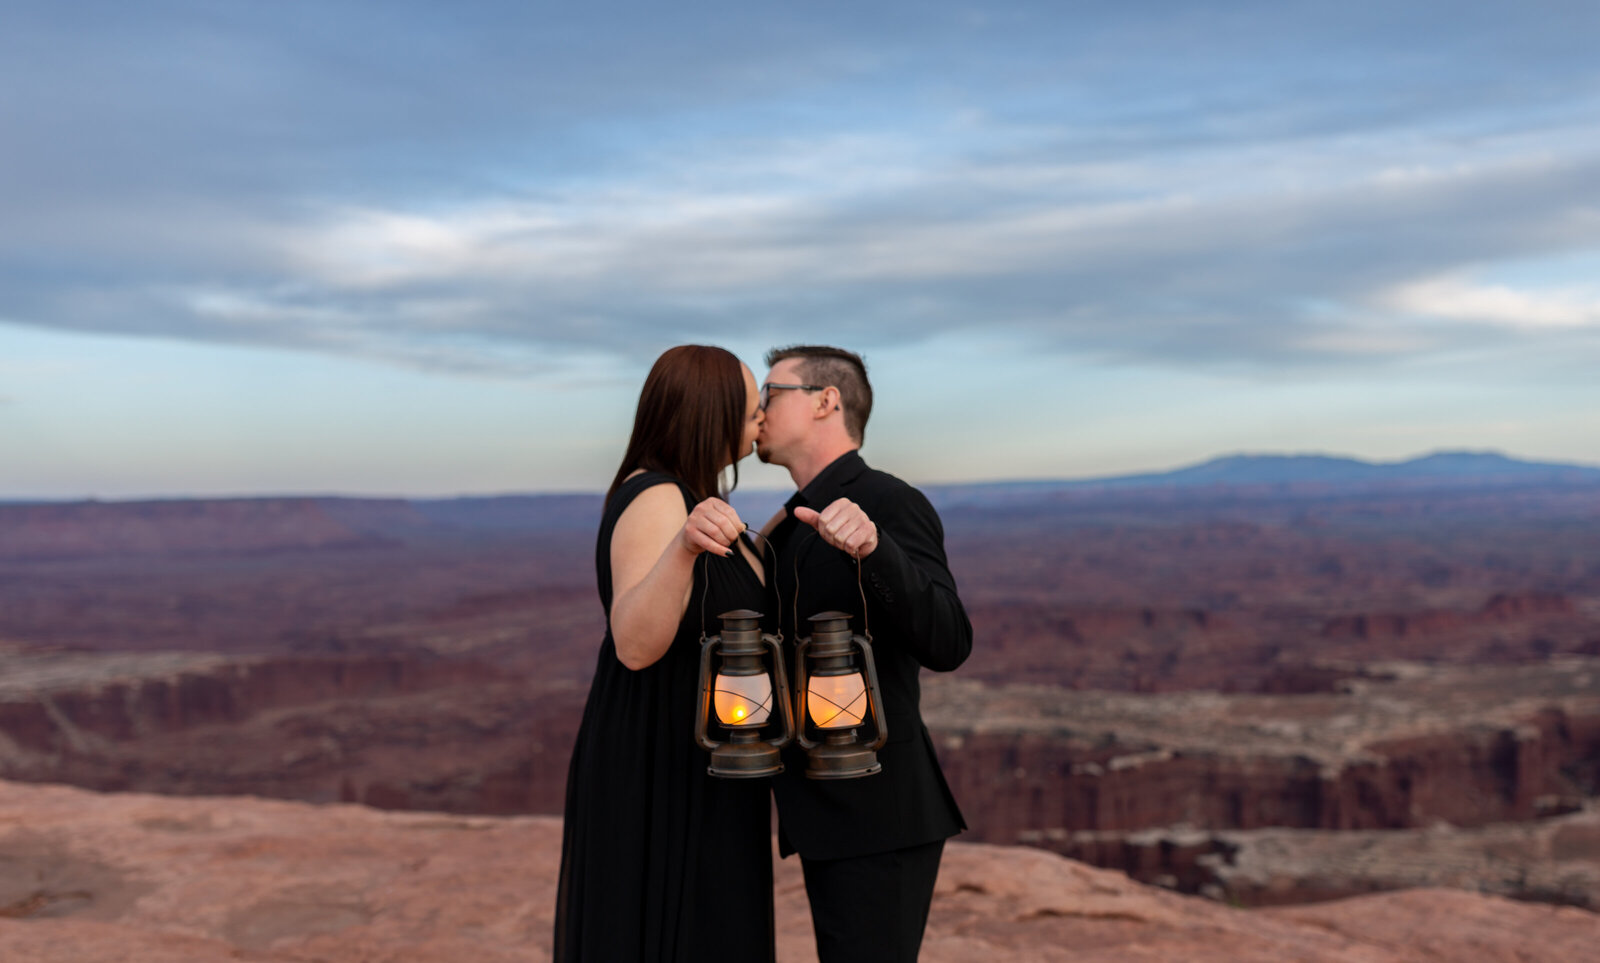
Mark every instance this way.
x=1224 y=690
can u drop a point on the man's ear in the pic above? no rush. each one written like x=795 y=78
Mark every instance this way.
x=829 y=403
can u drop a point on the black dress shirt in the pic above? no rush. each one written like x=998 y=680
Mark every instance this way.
x=916 y=621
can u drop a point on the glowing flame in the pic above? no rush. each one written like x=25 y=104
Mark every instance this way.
x=742 y=700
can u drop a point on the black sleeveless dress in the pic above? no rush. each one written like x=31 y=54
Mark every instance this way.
x=661 y=861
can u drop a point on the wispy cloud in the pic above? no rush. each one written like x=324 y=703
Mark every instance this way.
x=1280 y=184
x=1225 y=272
x=1459 y=299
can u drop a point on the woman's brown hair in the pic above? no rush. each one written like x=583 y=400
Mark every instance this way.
x=690 y=419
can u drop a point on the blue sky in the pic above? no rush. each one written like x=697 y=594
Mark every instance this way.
x=418 y=248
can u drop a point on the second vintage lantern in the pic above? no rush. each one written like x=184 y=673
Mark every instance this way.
x=841 y=723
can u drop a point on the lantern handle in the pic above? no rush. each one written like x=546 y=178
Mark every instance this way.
x=866 y=618
x=766 y=547
x=782 y=691
x=705 y=589
x=870 y=666
x=801 y=681
x=794 y=603
x=700 y=734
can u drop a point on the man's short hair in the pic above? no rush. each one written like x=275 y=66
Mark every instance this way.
x=835 y=368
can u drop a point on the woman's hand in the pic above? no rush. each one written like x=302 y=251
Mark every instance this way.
x=713 y=527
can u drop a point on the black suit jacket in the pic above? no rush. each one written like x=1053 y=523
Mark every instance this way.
x=916 y=621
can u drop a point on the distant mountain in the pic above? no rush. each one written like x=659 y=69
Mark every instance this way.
x=1453 y=469
x=1327 y=469
x=43 y=529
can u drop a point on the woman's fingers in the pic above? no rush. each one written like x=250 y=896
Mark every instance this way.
x=723 y=518
x=713 y=526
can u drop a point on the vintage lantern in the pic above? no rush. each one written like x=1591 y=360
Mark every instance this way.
x=838 y=690
x=744 y=716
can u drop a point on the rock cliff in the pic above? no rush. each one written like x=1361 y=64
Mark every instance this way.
x=1158 y=786
x=124 y=878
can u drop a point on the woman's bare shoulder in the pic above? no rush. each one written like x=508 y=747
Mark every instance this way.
x=658 y=508
x=644 y=530
x=663 y=496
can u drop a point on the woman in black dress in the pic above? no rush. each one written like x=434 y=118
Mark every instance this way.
x=659 y=860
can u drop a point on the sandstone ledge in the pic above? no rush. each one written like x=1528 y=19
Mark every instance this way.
x=88 y=877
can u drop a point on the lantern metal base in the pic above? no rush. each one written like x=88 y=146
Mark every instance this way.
x=841 y=761
x=748 y=760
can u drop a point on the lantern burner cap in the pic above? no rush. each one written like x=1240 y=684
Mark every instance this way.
x=830 y=627
x=742 y=628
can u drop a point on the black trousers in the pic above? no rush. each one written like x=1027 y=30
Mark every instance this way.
x=872 y=909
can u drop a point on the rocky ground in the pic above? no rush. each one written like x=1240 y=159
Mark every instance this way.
x=1203 y=792
x=95 y=878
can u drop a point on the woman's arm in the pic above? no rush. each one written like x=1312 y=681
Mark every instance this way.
x=653 y=553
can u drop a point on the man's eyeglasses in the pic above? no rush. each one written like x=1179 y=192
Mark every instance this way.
x=769 y=387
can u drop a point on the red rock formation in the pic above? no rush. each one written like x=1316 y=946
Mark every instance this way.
x=1466 y=746
x=1156 y=789
x=206 y=692
x=141 y=879
x=1505 y=606
x=1502 y=607
x=413 y=732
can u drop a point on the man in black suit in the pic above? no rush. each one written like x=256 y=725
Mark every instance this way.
x=869 y=846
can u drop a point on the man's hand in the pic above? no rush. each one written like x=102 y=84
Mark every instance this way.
x=844 y=526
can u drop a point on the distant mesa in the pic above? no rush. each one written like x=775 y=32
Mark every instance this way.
x=1327 y=469
x=241 y=526
x=1288 y=473
x=579 y=511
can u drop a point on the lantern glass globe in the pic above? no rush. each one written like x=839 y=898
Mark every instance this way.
x=836 y=701
x=742 y=700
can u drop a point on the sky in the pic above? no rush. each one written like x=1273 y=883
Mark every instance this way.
x=410 y=248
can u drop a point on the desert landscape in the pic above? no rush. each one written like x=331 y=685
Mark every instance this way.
x=1264 y=684
x=131 y=878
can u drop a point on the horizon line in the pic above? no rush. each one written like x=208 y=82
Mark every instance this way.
x=575 y=492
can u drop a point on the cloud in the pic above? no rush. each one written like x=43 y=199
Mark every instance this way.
x=1244 y=187
x=1458 y=299
x=1161 y=276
